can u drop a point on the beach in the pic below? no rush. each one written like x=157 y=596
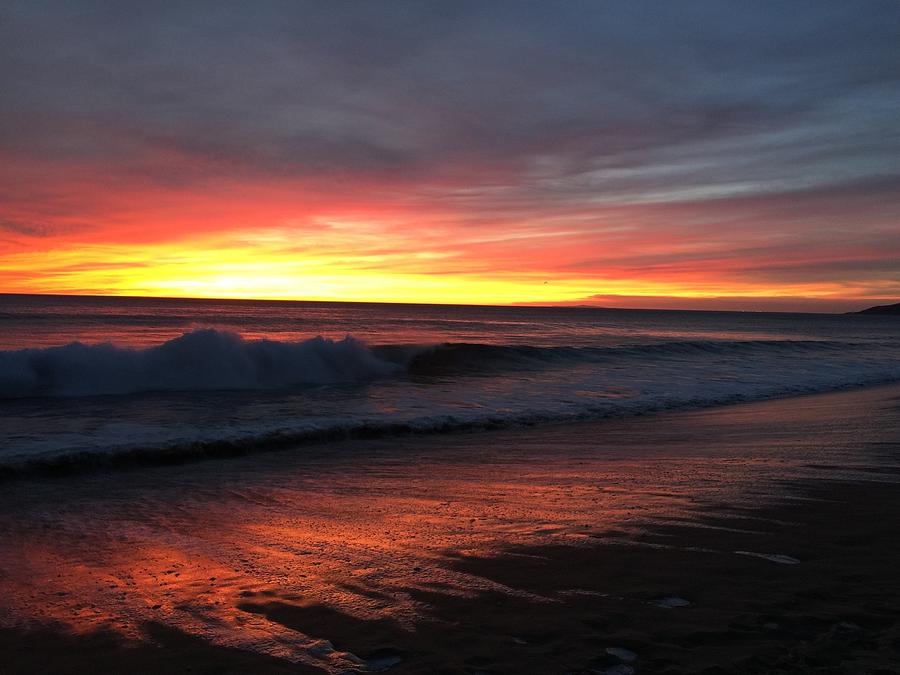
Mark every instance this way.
x=757 y=537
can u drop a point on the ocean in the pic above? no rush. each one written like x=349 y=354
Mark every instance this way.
x=89 y=381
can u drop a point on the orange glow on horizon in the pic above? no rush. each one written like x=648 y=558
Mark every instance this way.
x=217 y=268
x=387 y=243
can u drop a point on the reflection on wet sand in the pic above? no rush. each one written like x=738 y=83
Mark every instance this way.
x=281 y=553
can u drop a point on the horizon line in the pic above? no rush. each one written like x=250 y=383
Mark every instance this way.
x=570 y=304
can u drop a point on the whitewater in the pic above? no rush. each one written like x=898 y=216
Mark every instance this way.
x=94 y=382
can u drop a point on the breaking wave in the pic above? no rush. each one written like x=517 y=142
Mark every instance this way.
x=202 y=360
x=210 y=359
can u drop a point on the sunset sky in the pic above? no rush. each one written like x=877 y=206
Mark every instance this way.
x=741 y=155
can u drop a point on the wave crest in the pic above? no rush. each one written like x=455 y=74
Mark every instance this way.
x=209 y=359
x=204 y=359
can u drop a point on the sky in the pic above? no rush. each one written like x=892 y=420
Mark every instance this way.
x=722 y=155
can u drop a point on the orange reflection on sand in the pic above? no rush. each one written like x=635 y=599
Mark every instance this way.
x=367 y=531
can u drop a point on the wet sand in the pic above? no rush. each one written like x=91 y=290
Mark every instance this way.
x=753 y=538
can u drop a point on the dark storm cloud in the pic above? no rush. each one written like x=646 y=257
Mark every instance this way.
x=25 y=228
x=633 y=100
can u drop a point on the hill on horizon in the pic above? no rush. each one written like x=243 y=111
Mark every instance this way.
x=893 y=310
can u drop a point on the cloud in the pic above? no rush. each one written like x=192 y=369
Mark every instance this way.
x=25 y=228
x=640 y=139
x=304 y=88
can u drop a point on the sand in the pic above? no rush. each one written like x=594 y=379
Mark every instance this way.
x=755 y=538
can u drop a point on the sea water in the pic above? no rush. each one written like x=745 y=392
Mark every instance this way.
x=86 y=381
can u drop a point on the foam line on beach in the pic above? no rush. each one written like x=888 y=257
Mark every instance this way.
x=209 y=447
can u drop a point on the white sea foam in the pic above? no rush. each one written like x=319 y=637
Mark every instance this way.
x=204 y=359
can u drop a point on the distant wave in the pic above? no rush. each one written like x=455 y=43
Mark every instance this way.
x=209 y=359
x=450 y=358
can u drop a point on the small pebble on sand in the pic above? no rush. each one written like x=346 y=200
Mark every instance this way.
x=621 y=653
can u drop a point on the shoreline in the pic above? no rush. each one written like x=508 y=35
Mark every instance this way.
x=190 y=452
x=783 y=550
